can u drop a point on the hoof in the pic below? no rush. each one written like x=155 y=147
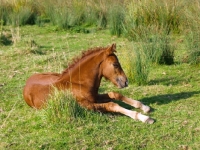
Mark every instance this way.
x=149 y=121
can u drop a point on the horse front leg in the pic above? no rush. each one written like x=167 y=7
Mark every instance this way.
x=104 y=98
x=113 y=107
x=129 y=101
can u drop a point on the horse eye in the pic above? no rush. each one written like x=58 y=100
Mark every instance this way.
x=116 y=65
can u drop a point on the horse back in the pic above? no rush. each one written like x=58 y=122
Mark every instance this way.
x=43 y=79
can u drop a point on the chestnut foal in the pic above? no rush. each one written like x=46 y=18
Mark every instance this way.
x=83 y=78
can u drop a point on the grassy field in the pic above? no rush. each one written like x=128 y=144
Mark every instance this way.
x=172 y=92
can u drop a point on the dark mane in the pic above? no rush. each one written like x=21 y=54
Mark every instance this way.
x=84 y=55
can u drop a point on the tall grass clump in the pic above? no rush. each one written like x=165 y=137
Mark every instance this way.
x=166 y=15
x=24 y=12
x=72 y=14
x=62 y=107
x=116 y=19
x=76 y=13
x=192 y=33
x=128 y=63
x=136 y=65
x=57 y=12
x=100 y=9
x=142 y=66
x=5 y=9
x=157 y=45
x=193 y=47
x=158 y=48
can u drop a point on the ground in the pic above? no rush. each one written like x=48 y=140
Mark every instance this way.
x=172 y=92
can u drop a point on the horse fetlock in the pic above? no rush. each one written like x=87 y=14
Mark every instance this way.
x=145 y=119
x=145 y=108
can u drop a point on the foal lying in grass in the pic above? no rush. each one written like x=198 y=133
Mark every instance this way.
x=83 y=78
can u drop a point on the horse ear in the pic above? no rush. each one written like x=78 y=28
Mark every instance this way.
x=111 y=49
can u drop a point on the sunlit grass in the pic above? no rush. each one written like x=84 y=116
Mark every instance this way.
x=63 y=108
x=172 y=92
x=155 y=20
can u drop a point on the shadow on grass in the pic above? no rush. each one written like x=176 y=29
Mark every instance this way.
x=168 y=81
x=167 y=98
x=38 y=52
x=161 y=99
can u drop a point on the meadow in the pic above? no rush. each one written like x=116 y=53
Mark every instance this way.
x=159 y=52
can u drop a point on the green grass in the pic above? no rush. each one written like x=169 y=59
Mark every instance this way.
x=171 y=91
x=63 y=108
x=122 y=17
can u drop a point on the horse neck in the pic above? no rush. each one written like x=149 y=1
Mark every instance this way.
x=86 y=73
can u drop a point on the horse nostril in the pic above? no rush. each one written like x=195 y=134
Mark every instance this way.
x=126 y=83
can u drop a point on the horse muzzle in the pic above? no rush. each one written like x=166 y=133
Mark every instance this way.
x=122 y=82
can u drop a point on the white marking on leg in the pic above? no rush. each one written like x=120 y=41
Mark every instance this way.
x=133 y=114
x=126 y=112
x=145 y=108
x=142 y=117
x=138 y=104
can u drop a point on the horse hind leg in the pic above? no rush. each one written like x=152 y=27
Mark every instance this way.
x=27 y=97
x=113 y=107
x=36 y=95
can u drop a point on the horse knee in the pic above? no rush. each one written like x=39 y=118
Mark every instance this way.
x=102 y=107
x=106 y=107
x=115 y=95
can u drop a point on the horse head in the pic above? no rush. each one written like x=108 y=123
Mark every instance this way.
x=111 y=68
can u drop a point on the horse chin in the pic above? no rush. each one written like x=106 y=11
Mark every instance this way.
x=121 y=86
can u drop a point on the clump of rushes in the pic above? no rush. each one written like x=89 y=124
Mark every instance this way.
x=62 y=107
x=141 y=68
x=193 y=47
x=22 y=13
x=156 y=45
x=116 y=19
x=128 y=64
x=152 y=49
x=166 y=15
x=192 y=34
x=136 y=65
x=159 y=49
